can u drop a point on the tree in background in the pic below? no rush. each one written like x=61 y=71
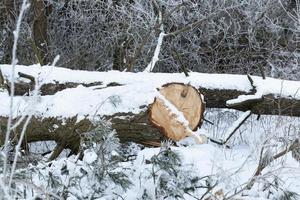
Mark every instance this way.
x=258 y=37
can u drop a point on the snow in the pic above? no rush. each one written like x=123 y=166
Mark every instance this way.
x=243 y=98
x=89 y=156
x=232 y=168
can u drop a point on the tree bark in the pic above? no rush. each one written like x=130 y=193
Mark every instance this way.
x=40 y=35
x=8 y=14
x=1 y=79
x=24 y=88
x=67 y=133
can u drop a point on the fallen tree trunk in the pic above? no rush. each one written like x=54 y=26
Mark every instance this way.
x=215 y=97
x=67 y=133
x=267 y=104
x=129 y=127
x=175 y=123
x=177 y=111
x=24 y=88
x=136 y=92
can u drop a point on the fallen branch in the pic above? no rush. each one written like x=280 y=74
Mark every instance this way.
x=263 y=163
x=250 y=98
x=236 y=125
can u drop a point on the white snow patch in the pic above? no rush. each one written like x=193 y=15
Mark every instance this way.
x=89 y=156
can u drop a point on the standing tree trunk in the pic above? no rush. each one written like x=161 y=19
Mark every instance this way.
x=8 y=23
x=40 y=25
x=118 y=57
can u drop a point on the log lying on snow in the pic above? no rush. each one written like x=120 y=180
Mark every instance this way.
x=68 y=132
x=268 y=104
x=24 y=88
x=215 y=97
x=136 y=126
x=176 y=123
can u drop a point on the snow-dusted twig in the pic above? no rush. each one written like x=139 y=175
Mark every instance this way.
x=160 y=39
x=262 y=164
x=18 y=147
x=25 y=5
x=29 y=114
x=193 y=25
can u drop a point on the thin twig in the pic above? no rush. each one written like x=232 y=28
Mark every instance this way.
x=239 y=122
x=12 y=80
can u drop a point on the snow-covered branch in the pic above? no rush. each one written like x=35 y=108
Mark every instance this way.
x=160 y=39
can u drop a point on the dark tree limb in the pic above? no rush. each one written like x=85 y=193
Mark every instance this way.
x=67 y=133
x=240 y=122
x=253 y=91
x=57 y=151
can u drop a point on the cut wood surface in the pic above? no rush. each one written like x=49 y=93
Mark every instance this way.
x=187 y=100
x=185 y=115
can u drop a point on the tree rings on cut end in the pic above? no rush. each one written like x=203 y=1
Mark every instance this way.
x=187 y=100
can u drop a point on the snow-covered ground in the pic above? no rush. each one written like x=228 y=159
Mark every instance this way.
x=230 y=168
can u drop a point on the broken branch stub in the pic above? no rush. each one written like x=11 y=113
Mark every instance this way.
x=177 y=111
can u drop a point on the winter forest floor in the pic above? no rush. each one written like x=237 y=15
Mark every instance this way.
x=186 y=170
